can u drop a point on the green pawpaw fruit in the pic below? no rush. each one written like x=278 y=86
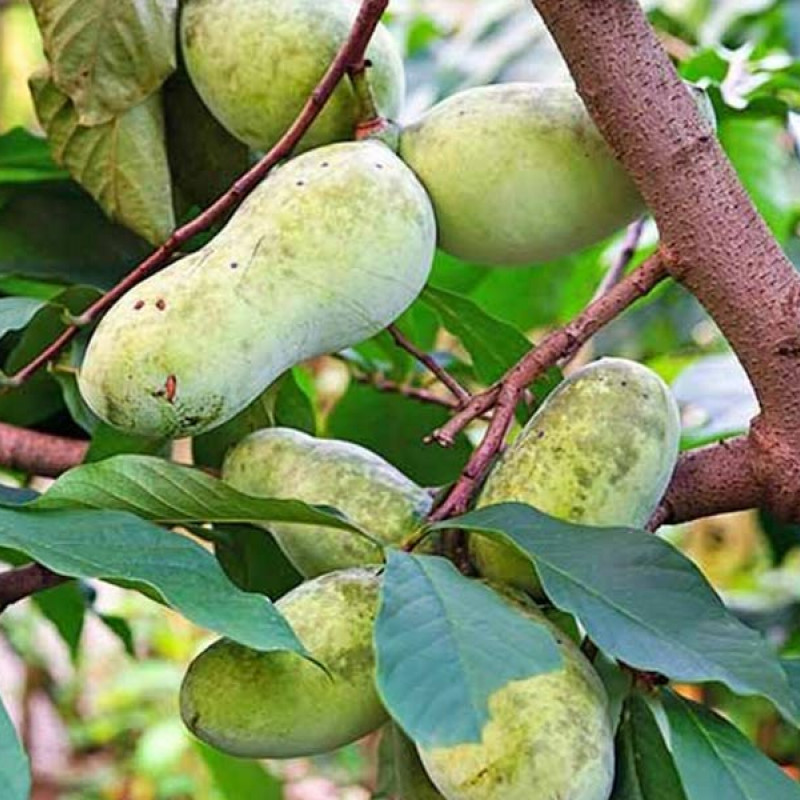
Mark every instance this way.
x=599 y=451
x=549 y=737
x=279 y=705
x=412 y=782
x=518 y=173
x=325 y=253
x=256 y=62
x=284 y=463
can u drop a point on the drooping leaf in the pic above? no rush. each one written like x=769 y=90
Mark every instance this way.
x=17 y=312
x=120 y=628
x=252 y=559
x=445 y=644
x=645 y=769
x=714 y=759
x=15 y=771
x=395 y=427
x=25 y=158
x=65 y=607
x=120 y=547
x=494 y=345
x=165 y=492
x=107 y=57
x=122 y=163
x=641 y=600
x=236 y=779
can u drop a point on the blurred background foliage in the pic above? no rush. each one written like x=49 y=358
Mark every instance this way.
x=92 y=672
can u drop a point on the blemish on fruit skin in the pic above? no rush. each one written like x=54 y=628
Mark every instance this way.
x=170 y=388
x=138 y=305
x=161 y=304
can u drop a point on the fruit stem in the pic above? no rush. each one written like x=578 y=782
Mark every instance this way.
x=371 y=124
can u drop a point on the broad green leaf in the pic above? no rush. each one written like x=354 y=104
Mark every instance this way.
x=57 y=251
x=293 y=404
x=65 y=607
x=645 y=769
x=108 y=442
x=120 y=628
x=17 y=312
x=445 y=644
x=791 y=667
x=237 y=779
x=120 y=547
x=107 y=57
x=641 y=600
x=252 y=559
x=161 y=491
x=395 y=427
x=15 y=771
x=25 y=158
x=494 y=345
x=121 y=163
x=714 y=759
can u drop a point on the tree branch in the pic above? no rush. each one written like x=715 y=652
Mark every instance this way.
x=351 y=55
x=456 y=389
x=21 y=582
x=37 y=453
x=714 y=241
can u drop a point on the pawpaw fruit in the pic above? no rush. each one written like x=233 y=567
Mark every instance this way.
x=256 y=62
x=599 y=451
x=518 y=174
x=549 y=737
x=279 y=705
x=325 y=253
x=284 y=463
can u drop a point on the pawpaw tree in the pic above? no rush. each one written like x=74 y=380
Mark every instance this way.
x=434 y=371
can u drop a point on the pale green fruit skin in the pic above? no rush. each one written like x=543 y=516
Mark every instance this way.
x=413 y=782
x=325 y=253
x=518 y=174
x=278 y=705
x=549 y=737
x=600 y=451
x=255 y=63
x=284 y=463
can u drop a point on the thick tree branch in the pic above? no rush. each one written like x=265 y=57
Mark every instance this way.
x=714 y=240
x=350 y=56
x=710 y=480
x=21 y=582
x=37 y=453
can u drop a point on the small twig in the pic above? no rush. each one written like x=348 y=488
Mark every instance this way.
x=423 y=395
x=37 y=453
x=350 y=54
x=21 y=582
x=560 y=344
x=458 y=391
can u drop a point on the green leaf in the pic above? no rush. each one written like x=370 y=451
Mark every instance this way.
x=17 y=312
x=494 y=345
x=445 y=644
x=120 y=547
x=645 y=769
x=252 y=559
x=395 y=427
x=161 y=491
x=122 y=163
x=15 y=770
x=715 y=760
x=237 y=779
x=107 y=57
x=108 y=442
x=293 y=405
x=640 y=600
x=791 y=667
x=57 y=250
x=120 y=628
x=65 y=607
x=25 y=158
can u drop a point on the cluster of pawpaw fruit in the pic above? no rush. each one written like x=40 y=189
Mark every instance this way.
x=326 y=252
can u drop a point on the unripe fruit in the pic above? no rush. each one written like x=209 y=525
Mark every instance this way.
x=518 y=174
x=600 y=451
x=548 y=737
x=256 y=62
x=278 y=704
x=284 y=463
x=325 y=253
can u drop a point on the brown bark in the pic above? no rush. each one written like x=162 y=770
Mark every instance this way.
x=17 y=584
x=37 y=453
x=714 y=241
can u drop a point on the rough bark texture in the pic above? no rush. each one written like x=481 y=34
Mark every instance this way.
x=714 y=241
